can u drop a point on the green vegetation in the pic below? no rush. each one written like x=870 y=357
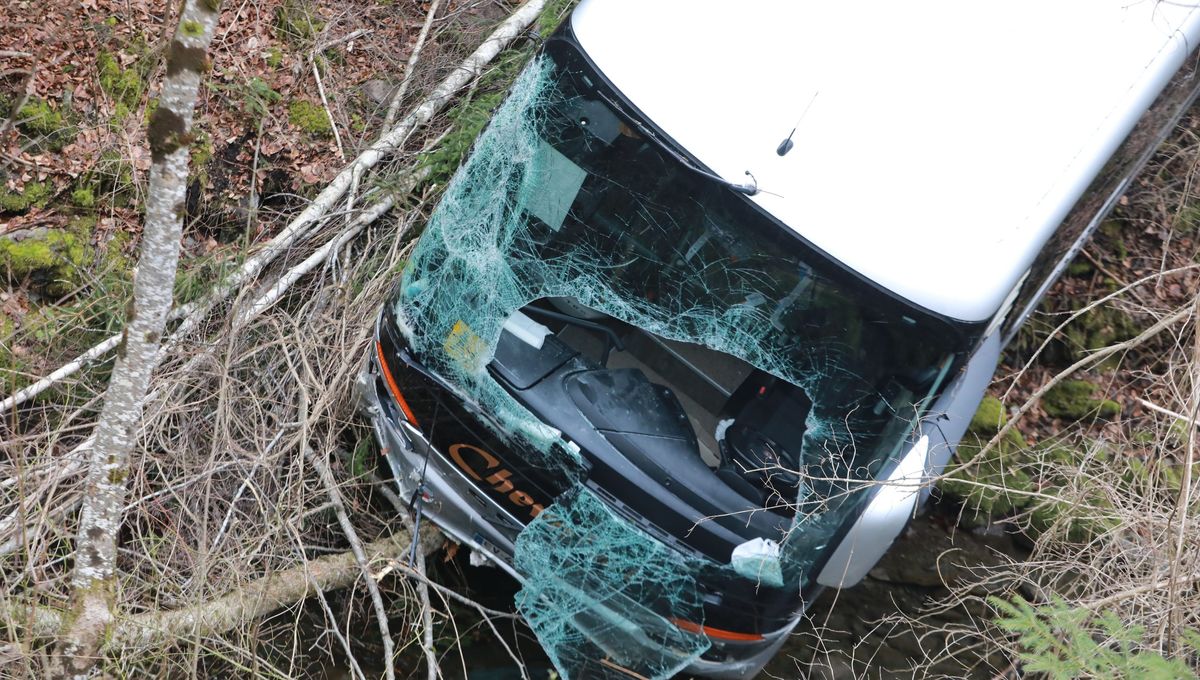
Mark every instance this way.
x=51 y=261
x=989 y=417
x=40 y=121
x=192 y=29
x=989 y=485
x=274 y=57
x=1110 y=235
x=123 y=85
x=999 y=485
x=84 y=197
x=552 y=15
x=364 y=456
x=34 y=195
x=1080 y=267
x=259 y=97
x=471 y=115
x=294 y=21
x=58 y=262
x=1066 y=642
x=197 y=276
x=310 y=118
x=202 y=150
x=1073 y=400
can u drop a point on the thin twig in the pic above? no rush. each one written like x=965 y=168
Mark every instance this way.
x=1183 y=504
x=1167 y=412
x=337 y=136
x=339 y=508
x=1090 y=360
x=302 y=224
x=409 y=67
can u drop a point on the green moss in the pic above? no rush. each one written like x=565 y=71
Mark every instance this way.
x=46 y=124
x=37 y=117
x=34 y=195
x=192 y=29
x=989 y=417
x=995 y=485
x=123 y=85
x=51 y=261
x=1111 y=235
x=1080 y=268
x=274 y=57
x=84 y=197
x=310 y=118
x=120 y=113
x=259 y=97
x=1097 y=329
x=202 y=150
x=1073 y=400
x=151 y=107
x=294 y=20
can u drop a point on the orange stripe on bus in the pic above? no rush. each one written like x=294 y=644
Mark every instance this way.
x=391 y=383
x=716 y=633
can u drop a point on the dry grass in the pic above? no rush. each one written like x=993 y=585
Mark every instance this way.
x=226 y=484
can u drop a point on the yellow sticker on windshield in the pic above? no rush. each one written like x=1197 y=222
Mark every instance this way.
x=464 y=346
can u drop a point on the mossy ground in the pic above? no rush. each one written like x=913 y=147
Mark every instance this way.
x=1076 y=400
x=297 y=21
x=310 y=118
x=50 y=261
x=1016 y=482
x=96 y=278
x=32 y=195
x=45 y=124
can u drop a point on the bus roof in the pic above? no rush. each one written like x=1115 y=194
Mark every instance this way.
x=941 y=142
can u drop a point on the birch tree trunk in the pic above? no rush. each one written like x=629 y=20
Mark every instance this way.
x=94 y=574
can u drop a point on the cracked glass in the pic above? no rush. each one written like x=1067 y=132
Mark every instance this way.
x=565 y=197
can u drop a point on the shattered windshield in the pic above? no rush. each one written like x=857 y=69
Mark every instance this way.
x=665 y=248
x=565 y=198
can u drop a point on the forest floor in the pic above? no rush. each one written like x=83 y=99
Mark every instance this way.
x=298 y=87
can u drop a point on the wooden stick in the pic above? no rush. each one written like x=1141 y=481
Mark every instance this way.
x=394 y=106
x=315 y=211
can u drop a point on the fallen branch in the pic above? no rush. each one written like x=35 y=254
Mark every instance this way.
x=299 y=227
x=394 y=107
x=225 y=613
x=1094 y=358
x=339 y=509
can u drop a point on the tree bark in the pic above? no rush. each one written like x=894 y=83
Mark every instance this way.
x=169 y=134
x=225 y=613
x=298 y=228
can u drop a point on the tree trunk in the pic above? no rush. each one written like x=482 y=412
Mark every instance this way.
x=169 y=134
x=222 y=614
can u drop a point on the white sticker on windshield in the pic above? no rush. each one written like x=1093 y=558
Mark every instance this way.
x=551 y=185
